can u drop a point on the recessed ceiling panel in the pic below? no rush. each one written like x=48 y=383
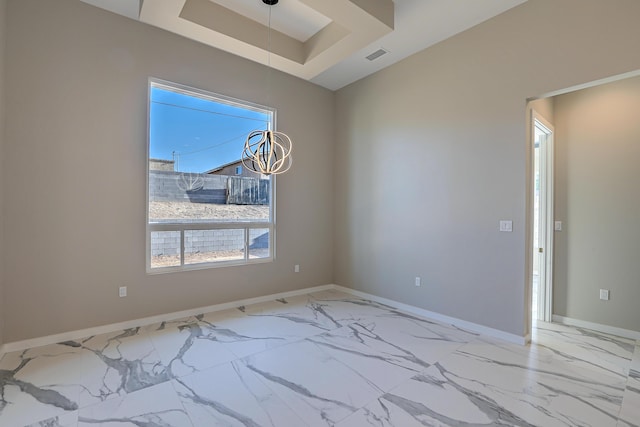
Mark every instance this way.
x=336 y=28
x=128 y=8
x=290 y=17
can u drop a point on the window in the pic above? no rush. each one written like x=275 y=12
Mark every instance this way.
x=202 y=210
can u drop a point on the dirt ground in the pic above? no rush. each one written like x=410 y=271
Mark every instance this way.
x=198 y=258
x=195 y=258
x=187 y=210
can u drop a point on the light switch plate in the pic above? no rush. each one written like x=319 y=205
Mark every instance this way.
x=506 y=225
x=604 y=294
x=557 y=225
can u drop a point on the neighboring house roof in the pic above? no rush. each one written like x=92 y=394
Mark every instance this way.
x=219 y=168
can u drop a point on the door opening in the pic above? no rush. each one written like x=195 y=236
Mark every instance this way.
x=541 y=296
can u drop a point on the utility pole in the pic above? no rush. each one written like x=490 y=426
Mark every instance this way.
x=176 y=160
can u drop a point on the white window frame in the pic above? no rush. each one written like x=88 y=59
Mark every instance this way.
x=207 y=225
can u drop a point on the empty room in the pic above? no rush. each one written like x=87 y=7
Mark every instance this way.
x=311 y=213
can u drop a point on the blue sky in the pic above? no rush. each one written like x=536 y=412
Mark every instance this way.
x=204 y=134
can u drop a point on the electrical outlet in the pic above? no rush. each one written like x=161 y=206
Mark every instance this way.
x=122 y=291
x=604 y=294
x=418 y=281
x=296 y=268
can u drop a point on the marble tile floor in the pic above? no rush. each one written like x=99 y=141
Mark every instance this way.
x=323 y=359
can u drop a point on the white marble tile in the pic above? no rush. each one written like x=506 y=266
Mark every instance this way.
x=222 y=315
x=39 y=383
x=160 y=326
x=635 y=359
x=416 y=403
x=344 y=309
x=488 y=385
x=630 y=411
x=232 y=395
x=302 y=310
x=63 y=420
x=276 y=305
x=153 y=406
x=588 y=349
x=379 y=361
x=244 y=335
x=321 y=389
x=323 y=359
x=427 y=340
x=188 y=347
x=397 y=326
x=119 y=363
x=441 y=396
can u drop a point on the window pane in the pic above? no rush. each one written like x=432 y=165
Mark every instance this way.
x=195 y=146
x=165 y=249
x=202 y=246
x=259 y=242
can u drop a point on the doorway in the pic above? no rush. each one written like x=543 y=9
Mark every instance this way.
x=543 y=225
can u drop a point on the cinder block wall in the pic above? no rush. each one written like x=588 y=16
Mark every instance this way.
x=175 y=186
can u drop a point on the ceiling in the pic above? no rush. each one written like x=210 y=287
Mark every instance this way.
x=322 y=41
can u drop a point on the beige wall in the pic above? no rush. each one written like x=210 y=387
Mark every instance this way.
x=3 y=7
x=597 y=197
x=545 y=107
x=77 y=106
x=431 y=153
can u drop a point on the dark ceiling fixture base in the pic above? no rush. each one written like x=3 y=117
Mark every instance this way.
x=270 y=2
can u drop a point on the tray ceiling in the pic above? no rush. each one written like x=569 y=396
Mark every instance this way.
x=323 y=41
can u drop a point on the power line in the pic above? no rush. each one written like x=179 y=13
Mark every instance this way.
x=213 y=146
x=209 y=112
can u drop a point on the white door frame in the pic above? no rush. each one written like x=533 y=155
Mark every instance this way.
x=545 y=310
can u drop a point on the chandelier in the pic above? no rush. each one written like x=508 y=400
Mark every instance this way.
x=266 y=151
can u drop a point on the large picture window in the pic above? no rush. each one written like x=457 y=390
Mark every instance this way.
x=204 y=208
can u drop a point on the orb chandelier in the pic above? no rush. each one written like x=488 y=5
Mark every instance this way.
x=266 y=151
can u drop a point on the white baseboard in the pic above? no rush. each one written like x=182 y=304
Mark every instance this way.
x=463 y=324
x=114 y=327
x=612 y=330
